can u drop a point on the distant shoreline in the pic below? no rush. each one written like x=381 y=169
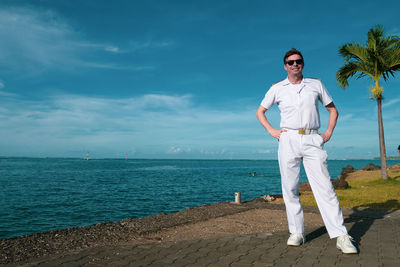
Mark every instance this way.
x=184 y=159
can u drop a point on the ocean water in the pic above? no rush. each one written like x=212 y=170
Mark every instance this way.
x=38 y=195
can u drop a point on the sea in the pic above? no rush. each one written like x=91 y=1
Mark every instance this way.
x=42 y=194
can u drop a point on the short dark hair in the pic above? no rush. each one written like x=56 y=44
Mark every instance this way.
x=292 y=52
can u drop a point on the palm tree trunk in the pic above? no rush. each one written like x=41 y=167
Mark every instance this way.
x=382 y=147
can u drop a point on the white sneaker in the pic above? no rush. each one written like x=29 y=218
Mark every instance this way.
x=296 y=240
x=344 y=243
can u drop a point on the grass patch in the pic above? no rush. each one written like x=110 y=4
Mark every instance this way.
x=366 y=191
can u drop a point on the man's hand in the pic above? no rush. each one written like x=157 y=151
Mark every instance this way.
x=326 y=136
x=276 y=133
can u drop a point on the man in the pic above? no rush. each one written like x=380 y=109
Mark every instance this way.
x=297 y=98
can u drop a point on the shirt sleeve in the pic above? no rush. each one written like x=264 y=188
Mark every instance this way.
x=324 y=96
x=269 y=99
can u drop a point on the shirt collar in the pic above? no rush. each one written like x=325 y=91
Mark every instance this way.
x=286 y=81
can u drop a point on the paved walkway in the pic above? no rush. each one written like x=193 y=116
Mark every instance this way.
x=376 y=234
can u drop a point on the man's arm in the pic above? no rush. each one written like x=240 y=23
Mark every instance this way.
x=265 y=123
x=333 y=116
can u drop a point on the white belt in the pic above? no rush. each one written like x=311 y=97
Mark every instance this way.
x=303 y=131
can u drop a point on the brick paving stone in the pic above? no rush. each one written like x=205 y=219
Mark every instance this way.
x=390 y=263
x=274 y=252
x=226 y=260
x=214 y=255
x=348 y=260
x=45 y=264
x=204 y=261
x=262 y=264
x=368 y=263
x=185 y=262
x=266 y=258
x=120 y=262
x=307 y=261
x=264 y=247
x=314 y=250
x=239 y=264
x=368 y=259
x=254 y=254
x=243 y=262
x=284 y=261
x=227 y=249
x=213 y=246
x=235 y=255
x=327 y=260
x=246 y=259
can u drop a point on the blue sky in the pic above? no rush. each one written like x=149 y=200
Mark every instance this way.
x=178 y=79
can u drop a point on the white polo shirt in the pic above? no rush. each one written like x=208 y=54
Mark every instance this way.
x=298 y=103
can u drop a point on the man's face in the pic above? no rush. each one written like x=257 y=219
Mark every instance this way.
x=294 y=69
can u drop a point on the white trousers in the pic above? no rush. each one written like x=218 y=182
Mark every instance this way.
x=294 y=148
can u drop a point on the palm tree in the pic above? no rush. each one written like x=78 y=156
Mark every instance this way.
x=378 y=58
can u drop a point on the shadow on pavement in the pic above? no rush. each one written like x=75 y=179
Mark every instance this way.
x=363 y=217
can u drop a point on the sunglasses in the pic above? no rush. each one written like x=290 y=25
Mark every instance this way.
x=291 y=62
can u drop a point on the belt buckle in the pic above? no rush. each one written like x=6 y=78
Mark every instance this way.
x=302 y=131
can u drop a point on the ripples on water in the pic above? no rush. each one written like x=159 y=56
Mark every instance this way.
x=43 y=194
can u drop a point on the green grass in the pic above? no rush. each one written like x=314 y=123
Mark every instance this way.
x=367 y=191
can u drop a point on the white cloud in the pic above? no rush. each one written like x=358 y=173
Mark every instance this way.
x=178 y=150
x=346 y=117
x=97 y=46
x=126 y=107
x=7 y=94
x=149 y=44
x=113 y=49
x=390 y=102
x=265 y=151
x=35 y=40
x=174 y=150
x=149 y=124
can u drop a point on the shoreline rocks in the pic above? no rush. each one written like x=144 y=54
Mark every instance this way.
x=341 y=182
x=371 y=167
x=345 y=171
x=338 y=184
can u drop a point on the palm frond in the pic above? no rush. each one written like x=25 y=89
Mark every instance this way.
x=353 y=51
x=379 y=57
x=347 y=71
x=390 y=61
x=374 y=36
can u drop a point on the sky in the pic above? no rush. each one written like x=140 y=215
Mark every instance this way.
x=179 y=79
